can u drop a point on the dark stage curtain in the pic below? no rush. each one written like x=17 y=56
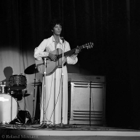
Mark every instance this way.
x=113 y=26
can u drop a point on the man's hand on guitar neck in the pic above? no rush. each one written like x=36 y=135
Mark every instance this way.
x=77 y=50
x=52 y=57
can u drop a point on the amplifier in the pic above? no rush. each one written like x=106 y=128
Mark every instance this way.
x=87 y=100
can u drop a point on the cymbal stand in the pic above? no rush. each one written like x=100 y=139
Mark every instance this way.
x=33 y=114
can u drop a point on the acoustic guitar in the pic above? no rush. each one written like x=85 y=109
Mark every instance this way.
x=51 y=66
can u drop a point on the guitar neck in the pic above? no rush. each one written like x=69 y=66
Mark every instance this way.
x=68 y=53
x=71 y=52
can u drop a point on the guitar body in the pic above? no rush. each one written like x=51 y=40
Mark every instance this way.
x=51 y=65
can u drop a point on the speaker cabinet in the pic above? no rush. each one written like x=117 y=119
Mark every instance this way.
x=87 y=102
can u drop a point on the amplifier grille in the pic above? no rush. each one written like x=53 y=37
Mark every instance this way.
x=87 y=103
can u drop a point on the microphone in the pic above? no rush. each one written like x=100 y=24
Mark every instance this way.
x=62 y=38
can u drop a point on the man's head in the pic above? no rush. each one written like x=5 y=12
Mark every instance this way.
x=56 y=26
x=55 y=21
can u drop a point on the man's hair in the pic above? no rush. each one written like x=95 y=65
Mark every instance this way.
x=54 y=22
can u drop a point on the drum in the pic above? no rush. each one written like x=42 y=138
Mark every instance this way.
x=17 y=82
x=8 y=108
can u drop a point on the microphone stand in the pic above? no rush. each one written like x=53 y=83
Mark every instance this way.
x=62 y=76
x=62 y=91
x=54 y=98
x=44 y=124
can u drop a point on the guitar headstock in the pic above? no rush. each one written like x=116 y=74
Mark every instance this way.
x=87 y=46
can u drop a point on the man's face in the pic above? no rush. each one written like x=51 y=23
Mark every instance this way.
x=57 y=29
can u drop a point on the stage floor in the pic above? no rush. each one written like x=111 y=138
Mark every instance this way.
x=69 y=132
x=37 y=130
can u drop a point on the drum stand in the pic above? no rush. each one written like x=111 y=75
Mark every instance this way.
x=16 y=120
x=22 y=115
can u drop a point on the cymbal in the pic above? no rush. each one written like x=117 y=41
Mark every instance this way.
x=15 y=95
x=31 y=69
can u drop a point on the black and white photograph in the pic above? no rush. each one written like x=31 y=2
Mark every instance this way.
x=70 y=69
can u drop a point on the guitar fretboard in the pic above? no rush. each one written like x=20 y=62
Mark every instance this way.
x=68 y=53
x=71 y=52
